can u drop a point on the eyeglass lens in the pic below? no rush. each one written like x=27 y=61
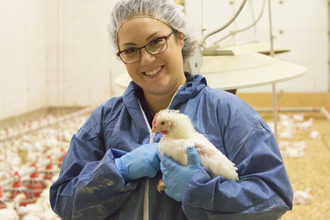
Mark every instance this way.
x=154 y=47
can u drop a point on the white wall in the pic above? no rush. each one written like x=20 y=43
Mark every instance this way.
x=22 y=56
x=54 y=53
x=301 y=26
x=78 y=68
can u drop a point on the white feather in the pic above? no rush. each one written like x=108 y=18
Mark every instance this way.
x=181 y=134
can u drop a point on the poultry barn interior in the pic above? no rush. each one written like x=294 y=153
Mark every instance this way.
x=57 y=65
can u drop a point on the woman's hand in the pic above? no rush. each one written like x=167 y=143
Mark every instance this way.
x=177 y=177
x=140 y=162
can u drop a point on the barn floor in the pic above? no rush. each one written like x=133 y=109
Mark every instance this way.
x=311 y=137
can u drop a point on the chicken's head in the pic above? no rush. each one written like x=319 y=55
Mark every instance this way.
x=161 y=124
x=172 y=123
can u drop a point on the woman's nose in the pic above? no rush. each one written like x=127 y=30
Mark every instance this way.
x=146 y=57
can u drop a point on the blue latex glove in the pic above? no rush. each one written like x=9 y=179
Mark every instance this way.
x=140 y=162
x=177 y=177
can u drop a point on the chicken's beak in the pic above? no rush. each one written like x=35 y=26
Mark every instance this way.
x=154 y=129
x=154 y=124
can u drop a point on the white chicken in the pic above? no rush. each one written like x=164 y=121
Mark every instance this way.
x=8 y=214
x=179 y=134
x=303 y=197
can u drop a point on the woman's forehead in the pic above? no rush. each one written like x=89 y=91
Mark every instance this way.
x=139 y=29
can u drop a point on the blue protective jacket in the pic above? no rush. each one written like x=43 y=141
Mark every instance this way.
x=90 y=186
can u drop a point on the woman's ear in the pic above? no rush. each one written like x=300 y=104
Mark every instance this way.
x=180 y=39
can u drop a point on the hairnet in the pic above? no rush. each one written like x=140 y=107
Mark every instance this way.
x=164 y=10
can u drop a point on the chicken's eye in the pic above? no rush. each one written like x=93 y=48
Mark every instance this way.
x=162 y=123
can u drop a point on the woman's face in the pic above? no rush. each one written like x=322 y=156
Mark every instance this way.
x=156 y=74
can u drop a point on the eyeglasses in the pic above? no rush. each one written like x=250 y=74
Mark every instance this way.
x=154 y=47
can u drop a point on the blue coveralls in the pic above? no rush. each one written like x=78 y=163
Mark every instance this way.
x=91 y=187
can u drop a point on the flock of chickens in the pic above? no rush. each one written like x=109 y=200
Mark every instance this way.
x=30 y=158
x=31 y=154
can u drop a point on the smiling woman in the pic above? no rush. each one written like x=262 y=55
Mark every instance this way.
x=112 y=168
x=159 y=75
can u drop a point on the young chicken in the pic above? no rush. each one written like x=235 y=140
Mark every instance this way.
x=179 y=134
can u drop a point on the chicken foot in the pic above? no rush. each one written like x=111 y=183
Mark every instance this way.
x=160 y=185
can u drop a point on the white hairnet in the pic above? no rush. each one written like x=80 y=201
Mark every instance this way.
x=164 y=10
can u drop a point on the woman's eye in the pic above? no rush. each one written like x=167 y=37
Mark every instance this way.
x=130 y=50
x=155 y=42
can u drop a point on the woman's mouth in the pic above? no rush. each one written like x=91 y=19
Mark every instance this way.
x=153 y=73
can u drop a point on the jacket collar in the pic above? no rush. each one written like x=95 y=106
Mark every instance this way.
x=187 y=91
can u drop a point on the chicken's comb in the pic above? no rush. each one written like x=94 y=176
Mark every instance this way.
x=154 y=121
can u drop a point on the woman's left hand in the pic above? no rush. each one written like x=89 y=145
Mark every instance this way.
x=177 y=177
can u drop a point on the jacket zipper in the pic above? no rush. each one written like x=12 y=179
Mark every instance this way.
x=146 y=189
x=151 y=140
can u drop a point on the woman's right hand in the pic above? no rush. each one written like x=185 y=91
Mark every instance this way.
x=140 y=162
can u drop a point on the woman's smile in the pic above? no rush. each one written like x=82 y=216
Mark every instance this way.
x=154 y=73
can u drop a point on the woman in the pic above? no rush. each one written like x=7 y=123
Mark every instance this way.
x=112 y=167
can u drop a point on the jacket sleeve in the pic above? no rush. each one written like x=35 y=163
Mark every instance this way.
x=89 y=182
x=263 y=190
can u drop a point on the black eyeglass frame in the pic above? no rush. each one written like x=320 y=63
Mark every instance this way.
x=145 y=47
